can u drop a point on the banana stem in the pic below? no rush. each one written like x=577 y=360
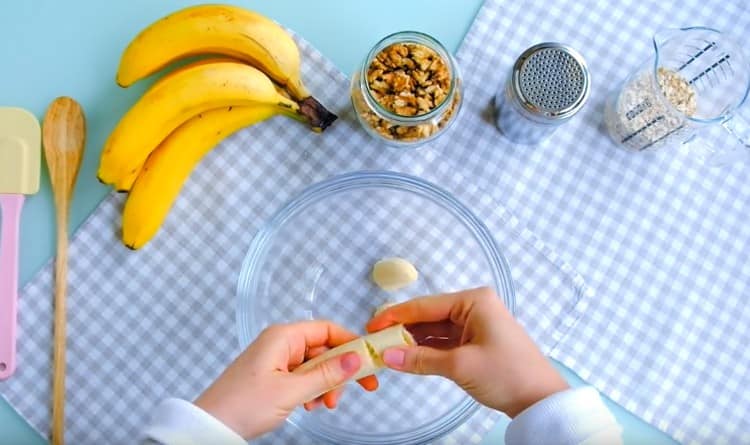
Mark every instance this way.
x=316 y=114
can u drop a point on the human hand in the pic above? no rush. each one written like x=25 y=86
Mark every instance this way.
x=496 y=362
x=258 y=390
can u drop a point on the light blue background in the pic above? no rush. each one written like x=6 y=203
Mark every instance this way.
x=51 y=48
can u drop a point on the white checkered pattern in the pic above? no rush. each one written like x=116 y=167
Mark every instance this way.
x=161 y=321
x=663 y=239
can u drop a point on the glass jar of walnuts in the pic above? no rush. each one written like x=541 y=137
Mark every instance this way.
x=408 y=90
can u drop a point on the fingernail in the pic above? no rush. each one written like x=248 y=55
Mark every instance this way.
x=394 y=357
x=350 y=362
x=310 y=406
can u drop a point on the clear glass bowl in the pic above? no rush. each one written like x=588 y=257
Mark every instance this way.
x=312 y=260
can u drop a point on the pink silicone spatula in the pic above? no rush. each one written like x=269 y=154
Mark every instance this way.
x=20 y=160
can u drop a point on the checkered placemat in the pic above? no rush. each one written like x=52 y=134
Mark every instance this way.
x=664 y=240
x=160 y=322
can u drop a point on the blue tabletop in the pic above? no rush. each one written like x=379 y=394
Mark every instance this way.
x=54 y=48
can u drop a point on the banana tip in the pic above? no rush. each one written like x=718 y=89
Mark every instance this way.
x=124 y=83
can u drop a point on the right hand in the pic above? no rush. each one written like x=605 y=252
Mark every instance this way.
x=497 y=363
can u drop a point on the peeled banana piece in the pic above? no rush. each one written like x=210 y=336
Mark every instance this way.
x=392 y=274
x=168 y=167
x=370 y=349
x=173 y=100
x=220 y=29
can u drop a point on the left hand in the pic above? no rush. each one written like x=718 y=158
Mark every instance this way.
x=258 y=391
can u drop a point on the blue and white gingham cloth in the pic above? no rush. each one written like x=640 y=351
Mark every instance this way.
x=663 y=240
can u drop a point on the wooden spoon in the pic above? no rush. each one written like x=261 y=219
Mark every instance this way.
x=64 y=137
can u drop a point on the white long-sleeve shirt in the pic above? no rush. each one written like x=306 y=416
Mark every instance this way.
x=573 y=417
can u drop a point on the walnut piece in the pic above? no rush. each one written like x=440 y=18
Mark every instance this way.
x=403 y=74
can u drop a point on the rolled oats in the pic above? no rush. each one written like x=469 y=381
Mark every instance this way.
x=677 y=91
x=639 y=119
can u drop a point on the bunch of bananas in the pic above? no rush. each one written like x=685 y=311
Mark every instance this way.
x=158 y=142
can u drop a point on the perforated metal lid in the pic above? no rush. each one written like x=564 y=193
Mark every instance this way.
x=551 y=80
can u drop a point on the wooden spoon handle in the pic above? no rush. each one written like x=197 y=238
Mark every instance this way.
x=58 y=381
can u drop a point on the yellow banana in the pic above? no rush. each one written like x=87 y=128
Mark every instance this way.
x=169 y=166
x=125 y=183
x=173 y=100
x=219 y=29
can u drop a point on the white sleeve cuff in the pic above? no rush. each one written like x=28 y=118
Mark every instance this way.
x=572 y=417
x=177 y=422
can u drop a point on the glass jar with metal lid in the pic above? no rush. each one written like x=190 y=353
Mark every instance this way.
x=549 y=84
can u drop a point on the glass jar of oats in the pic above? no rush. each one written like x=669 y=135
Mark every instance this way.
x=408 y=90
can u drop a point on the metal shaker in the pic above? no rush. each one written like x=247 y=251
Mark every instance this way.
x=549 y=84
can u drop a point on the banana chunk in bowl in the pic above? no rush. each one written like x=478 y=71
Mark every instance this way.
x=392 y=274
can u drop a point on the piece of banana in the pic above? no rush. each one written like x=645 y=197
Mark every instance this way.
x=168 y=167
x=220 y=29
x=369 y=348
x=173 y=100
x=392 y=274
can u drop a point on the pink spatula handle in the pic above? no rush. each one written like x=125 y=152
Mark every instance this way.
x=10 y=212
